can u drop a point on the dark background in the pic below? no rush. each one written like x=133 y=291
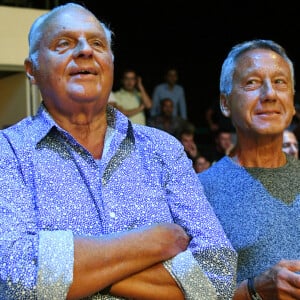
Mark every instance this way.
x=195 y=36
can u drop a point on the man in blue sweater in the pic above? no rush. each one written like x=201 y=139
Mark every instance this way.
x=255 y=190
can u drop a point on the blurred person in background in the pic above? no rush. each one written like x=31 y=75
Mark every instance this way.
x=166 y=120
x=201 y=163
x=172 y=90
x=132 y=99
x=290 y=143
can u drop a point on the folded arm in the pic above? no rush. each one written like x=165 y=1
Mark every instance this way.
x=118 y=259
x=154 y=283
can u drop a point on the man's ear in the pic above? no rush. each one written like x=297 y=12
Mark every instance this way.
x=29 y=70
x=224 y=106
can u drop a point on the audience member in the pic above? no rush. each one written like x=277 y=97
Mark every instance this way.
x=290 y=143
x=255 y=192
x=223 y=144
x=187 y=139
x=91 y=203
x=172 y=90
x=132 y=99
x=166 y=120
x=201 y=163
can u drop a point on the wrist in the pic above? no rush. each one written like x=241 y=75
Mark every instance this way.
x=241 y=292
x=254 y=295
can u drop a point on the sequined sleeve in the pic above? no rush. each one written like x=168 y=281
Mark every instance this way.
x=34 y=264
x=189 y=276
x=209 y=245
x=55 y=266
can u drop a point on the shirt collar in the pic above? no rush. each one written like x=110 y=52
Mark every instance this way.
x=115 y=120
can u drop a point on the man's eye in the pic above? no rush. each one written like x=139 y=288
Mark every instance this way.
x=251 y=82
x=62 y=44
x=98 y=44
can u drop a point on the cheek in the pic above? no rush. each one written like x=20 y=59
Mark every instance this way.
x=109 y=71
x=245 y=102
x=105 y=60
x=239 y=107
x=240 y=112
x=49 y=78
x=288 y=105
x=52 y=63
x=293 y=110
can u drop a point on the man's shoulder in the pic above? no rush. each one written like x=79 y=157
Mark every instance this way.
x=153 y=133
x=154 y=138
x=21 y=138
x=219 y=170
x=29 y=130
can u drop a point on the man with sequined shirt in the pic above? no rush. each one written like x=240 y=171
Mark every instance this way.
x=91 y=205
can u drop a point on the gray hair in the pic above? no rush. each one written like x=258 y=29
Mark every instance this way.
x=37 y=28
x=230 y=62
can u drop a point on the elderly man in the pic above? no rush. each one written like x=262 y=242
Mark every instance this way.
x=93 y=206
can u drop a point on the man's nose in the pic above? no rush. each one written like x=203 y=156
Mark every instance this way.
x=269 y=92
x=83 y=48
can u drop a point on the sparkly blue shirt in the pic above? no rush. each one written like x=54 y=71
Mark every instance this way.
x=52 y=189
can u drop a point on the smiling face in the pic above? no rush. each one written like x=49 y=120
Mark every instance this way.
x=261 y=101
x=75 y=63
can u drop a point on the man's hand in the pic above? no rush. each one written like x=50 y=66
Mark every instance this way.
x=280 y=282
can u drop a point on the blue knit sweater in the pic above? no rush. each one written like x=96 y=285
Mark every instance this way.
x=259 y=209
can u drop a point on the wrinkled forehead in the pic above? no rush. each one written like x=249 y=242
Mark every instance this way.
x=74 y=20
x=253 y=56
x=263 y=61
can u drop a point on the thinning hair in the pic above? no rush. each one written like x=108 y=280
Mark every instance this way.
x=38 y=27
x=230 y=62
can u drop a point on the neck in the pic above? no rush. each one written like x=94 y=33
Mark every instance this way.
x=259 y=159
x=263 y=152
x=89 y=132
